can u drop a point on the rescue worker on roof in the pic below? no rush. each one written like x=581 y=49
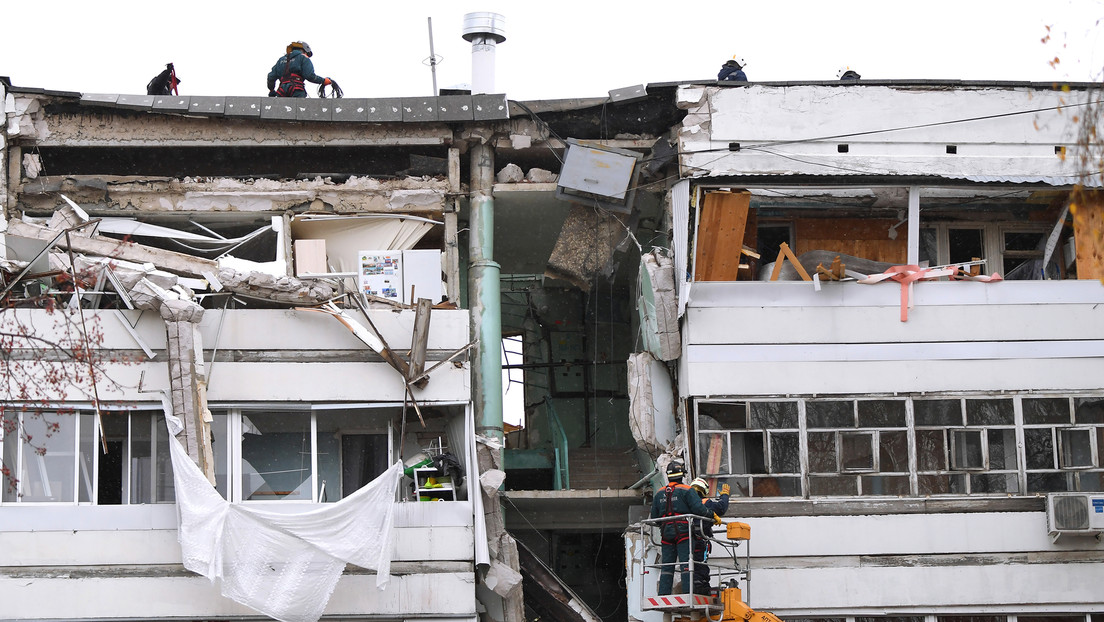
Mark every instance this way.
x=732 y=71
x=292 y=70
x=703 y=531
x=675 y=499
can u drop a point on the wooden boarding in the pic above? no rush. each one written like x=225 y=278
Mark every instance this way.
x=1088 y=227
x=720 y=240
x=834 y=272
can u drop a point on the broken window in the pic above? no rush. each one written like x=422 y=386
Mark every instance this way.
x=1075 y=448
x=756 y=440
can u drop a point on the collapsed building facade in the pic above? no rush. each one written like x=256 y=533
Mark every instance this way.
x=317 y=290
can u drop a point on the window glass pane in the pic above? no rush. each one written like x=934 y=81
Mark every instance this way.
x=1091 y=482
x=857 y=451
x=931 y=450
x=971 y=618
x=352 y=450
x=1050 y=482
x=966 y=244
x=713 y=453
x=165 y=489
x=220 y=433
x=891 y=619
x=747 y=452
x=1076 y=448
x=830 y=414
x=937 y=412
x=881 y=413
x=10 y=434
x=941 y=484
x=87 y=457
x=785 y=452
x=113 y=463
x=740 y=485
x=893 y=448
x=1089 y=409
x=1022 y=240
x=1039 y=448
x=929 y=246
x=1100 y=447
x=981 y=483
x=1002 y=449
x=141 y=460
x=47 y=470
x=773 y=415
x=722 y=416
x=276 y=456
x=990 y=412
x=1046 y=410
x=822 y=452
x=776 y=487
x=966 y=449
x=833 y=485
x=896 y=485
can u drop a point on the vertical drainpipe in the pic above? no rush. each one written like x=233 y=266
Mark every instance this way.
x=484 y=297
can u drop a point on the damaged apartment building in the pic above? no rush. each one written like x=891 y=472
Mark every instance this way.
x=870 y=307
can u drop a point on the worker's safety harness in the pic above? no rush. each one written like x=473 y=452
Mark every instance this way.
x=678 y=534
x=290 y=83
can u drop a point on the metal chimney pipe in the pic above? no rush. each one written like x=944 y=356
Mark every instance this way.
x=484 y=30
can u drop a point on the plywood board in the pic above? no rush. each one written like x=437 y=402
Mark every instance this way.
x=720 y=236
x=852 y=236
x=1088 y=234
x=310 y=257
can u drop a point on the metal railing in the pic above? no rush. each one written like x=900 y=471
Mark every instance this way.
x=724 y=571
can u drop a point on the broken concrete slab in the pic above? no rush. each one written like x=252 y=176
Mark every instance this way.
x=540 y=176
x=586 y=244
x=510 y=174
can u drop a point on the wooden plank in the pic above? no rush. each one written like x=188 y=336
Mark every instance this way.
x=713 y=457
x=420 y=339
x=720 y=238
x=1088 y=234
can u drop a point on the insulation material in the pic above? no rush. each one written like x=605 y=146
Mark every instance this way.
x=680 y=216
x=345 y=236
x=586 y=244
x=283 y=565
x=659 y=306
x=651 y=403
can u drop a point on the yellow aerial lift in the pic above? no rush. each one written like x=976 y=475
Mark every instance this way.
x=723 y=604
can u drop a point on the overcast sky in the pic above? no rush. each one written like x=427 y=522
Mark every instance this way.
x=554 y=49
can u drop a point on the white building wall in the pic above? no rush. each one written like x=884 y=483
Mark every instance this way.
x=889 y=130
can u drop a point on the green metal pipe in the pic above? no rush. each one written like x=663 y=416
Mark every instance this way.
x=485 y=297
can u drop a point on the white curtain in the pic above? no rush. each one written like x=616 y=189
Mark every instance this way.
x=283 y=565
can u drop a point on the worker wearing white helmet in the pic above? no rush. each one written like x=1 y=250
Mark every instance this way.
x=732 y=71
x=292 y=70
x=703 y=531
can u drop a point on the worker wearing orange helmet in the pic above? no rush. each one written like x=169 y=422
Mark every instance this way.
x=292 y=70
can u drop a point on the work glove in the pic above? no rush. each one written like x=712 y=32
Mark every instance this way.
x=725 y=489
x=716 y=519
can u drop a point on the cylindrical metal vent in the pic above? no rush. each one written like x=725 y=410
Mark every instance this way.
x=484 y=26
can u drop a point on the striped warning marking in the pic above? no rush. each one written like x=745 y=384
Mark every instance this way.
x=677 y=600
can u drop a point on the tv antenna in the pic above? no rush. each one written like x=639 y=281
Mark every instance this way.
x=433 y=58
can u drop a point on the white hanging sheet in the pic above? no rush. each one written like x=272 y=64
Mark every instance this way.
x=283 y=565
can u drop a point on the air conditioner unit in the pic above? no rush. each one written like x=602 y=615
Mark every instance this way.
x=1075 y=513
